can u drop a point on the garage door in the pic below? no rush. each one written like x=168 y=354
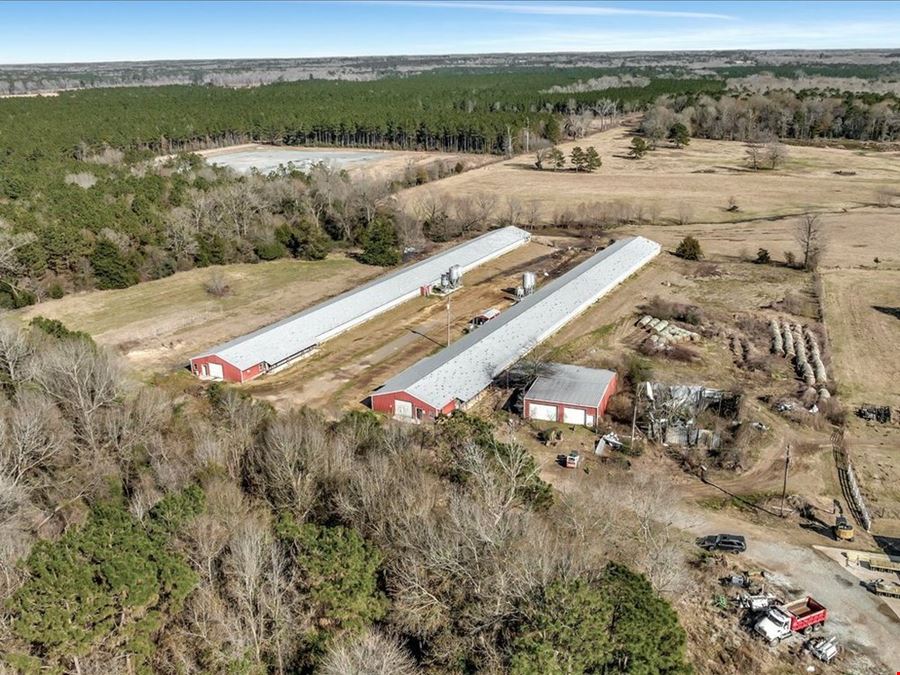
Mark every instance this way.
x=573 y=416
x=215 y=371
x=536 y=411
x=403 y=408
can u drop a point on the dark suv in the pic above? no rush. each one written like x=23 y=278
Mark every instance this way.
x=730 y=543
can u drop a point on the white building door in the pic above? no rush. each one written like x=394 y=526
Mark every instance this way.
x=573 y=416
x=403 y=408
x=547 y=413
x=216 y=372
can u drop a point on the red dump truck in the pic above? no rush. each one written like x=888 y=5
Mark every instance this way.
x=800 y=616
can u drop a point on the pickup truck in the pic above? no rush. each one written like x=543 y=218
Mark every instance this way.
x=800 y=616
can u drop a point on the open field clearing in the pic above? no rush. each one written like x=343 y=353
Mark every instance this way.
x=158 y=325
x=854 y=238
x=267 y=158
x=693 y=183
x=862 y=310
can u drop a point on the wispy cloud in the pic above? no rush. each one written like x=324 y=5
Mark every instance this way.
x=815 y=35
x=553 y=9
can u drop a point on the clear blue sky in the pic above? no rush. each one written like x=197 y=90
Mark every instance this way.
x=48 y=32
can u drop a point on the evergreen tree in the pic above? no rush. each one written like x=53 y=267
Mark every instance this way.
x=592 y=160
x=107 y=586
x=381 y=245
x=339 y=572
x=578 y=158
x=679 y=135
x=111 y=268
x=613 y=624
x=556 y=158
x=689 y=249
x=639 y=148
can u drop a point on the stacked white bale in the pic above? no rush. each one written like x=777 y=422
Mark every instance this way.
x=645 y=320
x=777 y=341
x=809 y=375
x=788 y=339
x=816 y=357
x=824 y=394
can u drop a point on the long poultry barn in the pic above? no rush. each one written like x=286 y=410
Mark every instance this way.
x=276 y=346
x=455 y=376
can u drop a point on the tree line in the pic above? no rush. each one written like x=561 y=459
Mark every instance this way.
x=778 y=115
x=208 y=533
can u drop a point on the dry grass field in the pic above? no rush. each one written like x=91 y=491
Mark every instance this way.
x=158 y=325
x=692 y=183
x=862 y=311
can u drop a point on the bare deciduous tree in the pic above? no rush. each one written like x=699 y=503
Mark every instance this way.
x=371 y=653
x=810 y=235
x=16 y=350
x=83 y=381
x=776 y=154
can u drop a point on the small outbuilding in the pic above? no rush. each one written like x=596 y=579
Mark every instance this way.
x=570 y=394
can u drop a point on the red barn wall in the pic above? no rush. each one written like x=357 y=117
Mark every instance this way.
x=608 y=394
x=384 y=403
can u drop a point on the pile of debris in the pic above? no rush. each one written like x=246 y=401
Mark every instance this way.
x=665 y=333
x=801 y=345
x=875 y=413
x=672 y=410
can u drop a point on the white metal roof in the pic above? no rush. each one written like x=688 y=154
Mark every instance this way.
x=280 y=341
x=570 y=385
x=469 y=365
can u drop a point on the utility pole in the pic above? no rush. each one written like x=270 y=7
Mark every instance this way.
x=787 y=463
x=637 y=398
x=448 y=320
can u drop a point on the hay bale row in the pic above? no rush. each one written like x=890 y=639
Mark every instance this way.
x=777 y=340
x=788 y=339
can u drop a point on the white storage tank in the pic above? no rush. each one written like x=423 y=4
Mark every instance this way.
x=455 y=275
x=529 y=281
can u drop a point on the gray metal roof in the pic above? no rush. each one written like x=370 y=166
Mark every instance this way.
x=280 y=341
x=468 y=366
x=573 y=385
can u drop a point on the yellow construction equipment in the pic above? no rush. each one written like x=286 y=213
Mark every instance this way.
x=843 y=530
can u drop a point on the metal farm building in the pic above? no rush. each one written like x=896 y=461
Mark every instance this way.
x=454 y=377
x=569 y=394
x=282 y=343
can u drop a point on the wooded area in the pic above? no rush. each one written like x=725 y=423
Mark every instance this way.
x=84 y=205
x=210 y=534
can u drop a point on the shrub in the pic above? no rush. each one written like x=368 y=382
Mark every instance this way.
x=689 y=249
x=217 y=285
x=57 y=329
x=762 y=257
x=270 y=250
x=790 y=259
x=638 y=370
x=56 y=290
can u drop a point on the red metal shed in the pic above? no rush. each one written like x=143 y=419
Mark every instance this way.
x=570 y=394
